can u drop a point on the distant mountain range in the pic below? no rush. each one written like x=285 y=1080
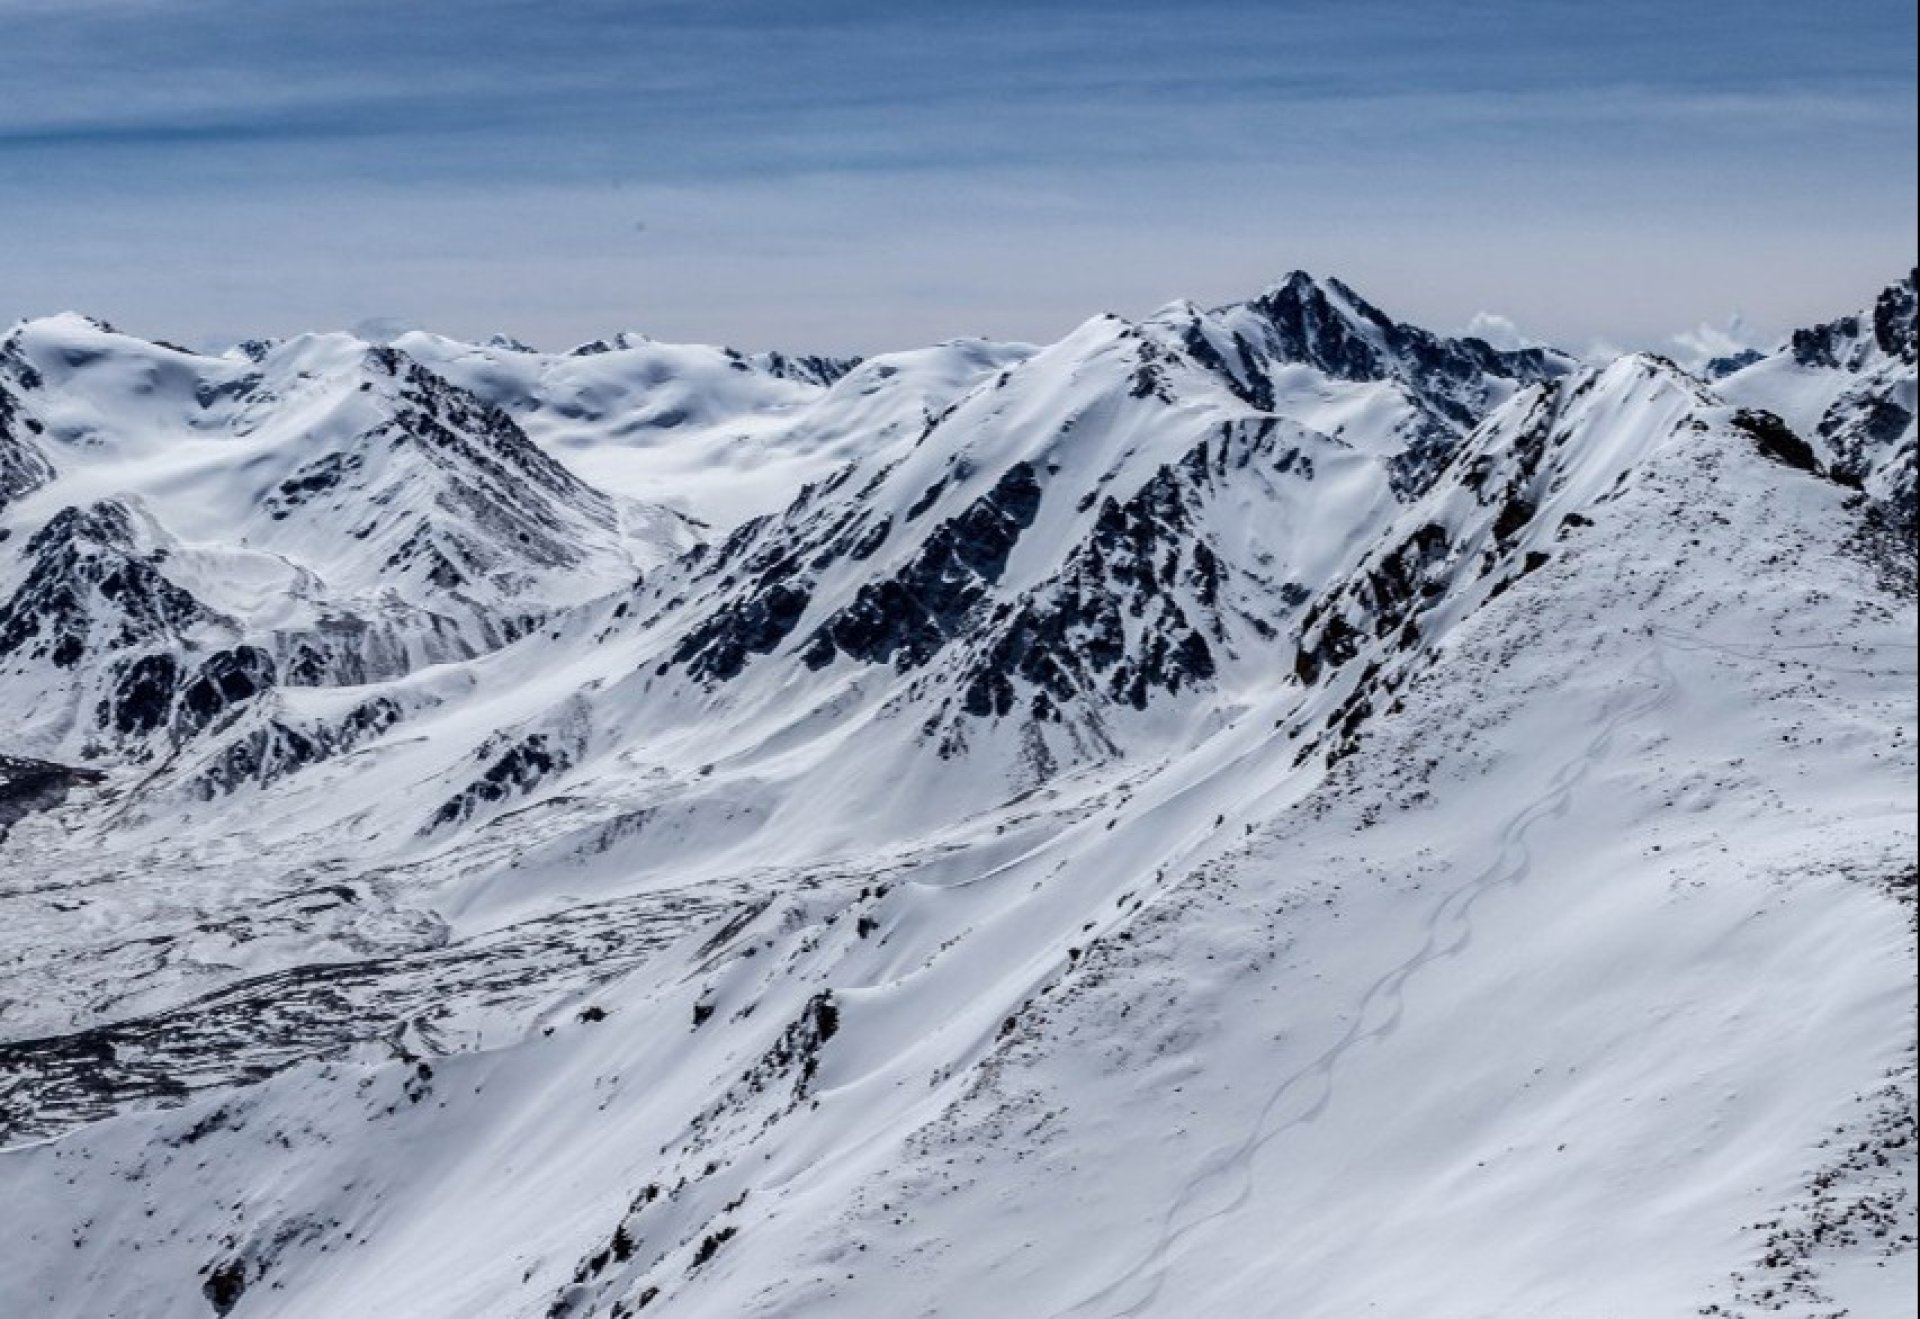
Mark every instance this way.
x=1262 y=809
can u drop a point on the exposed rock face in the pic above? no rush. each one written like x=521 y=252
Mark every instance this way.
x=1334 y=329
x=1847 y=387
x=1449 y=384
x=512 y=770
x=1777 y=440
x=907 y=618
x=805 y=367
x=23 y=468
x=1071 y=637
x=275 y=748
x=1848 y=344
x=719 y=648
x=91 y=591
x=27 y=786
x=225 y=680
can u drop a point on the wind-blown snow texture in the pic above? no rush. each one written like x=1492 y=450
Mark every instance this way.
x=1259 y=810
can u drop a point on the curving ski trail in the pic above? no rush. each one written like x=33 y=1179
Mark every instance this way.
x=1225 y=1184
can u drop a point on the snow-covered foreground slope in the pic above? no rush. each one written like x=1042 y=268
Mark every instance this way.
x=1261 y=811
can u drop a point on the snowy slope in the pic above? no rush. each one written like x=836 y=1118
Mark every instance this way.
x=328 y=513
x=718 y=434
x=687 y=705
x=1261 y=810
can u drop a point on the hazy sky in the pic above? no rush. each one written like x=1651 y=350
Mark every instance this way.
x=853 y=176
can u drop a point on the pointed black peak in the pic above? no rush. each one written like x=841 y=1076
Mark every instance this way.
x=1299 y=284
x=1299 y=289
x=1303 y=288
x=1848 y=343
x=1893 y=318
x=1302 y=297
x=1325 y=326
x=1328 y=325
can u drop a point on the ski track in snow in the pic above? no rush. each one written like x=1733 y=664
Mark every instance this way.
x=1227 y=1186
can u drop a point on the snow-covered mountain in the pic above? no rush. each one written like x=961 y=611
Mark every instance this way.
x=1254 y=810
x=322 y=513
x=1848 y=387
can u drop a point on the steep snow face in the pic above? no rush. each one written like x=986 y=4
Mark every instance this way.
x=1848 y=387
x=1098 y=549
x=1369 y=1053
x=1261 y=808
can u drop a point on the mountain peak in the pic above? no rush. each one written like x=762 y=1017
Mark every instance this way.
x=620 y=342
x=967 y=777
x=1295 y=283
x=1893 y=318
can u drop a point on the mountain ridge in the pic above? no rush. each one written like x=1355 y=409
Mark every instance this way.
x=1262 y=801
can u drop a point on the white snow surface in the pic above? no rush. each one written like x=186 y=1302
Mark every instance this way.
x=1202 y=818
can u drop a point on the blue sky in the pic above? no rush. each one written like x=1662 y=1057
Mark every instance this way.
x=853 y=176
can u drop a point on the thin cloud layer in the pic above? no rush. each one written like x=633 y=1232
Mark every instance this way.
x=1498 y=330
x=1705 y=343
